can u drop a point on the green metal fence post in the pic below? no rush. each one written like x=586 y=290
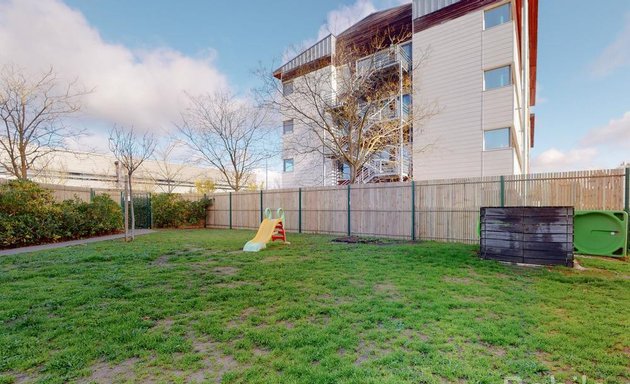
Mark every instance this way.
x=413 y=211
x=261 y=205
x=91 y=195
x=349 y=210
x=300 y=210
x=230 y=210
x=627 y=195
x=150 y=211
x=502 y=191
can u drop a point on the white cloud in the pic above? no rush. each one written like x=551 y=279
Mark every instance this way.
x=602 y=147
x=140 y=88
x=616 y=134
x=617 y=54
x=555 y=160
x=338 y=20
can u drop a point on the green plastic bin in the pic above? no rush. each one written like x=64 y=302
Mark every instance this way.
x=602 y=233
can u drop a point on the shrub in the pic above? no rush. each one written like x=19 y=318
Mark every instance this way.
x=170 y=210
x=29 y=215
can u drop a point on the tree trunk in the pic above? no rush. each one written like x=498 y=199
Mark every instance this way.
x=126 y=208
x=23 y=165
x=133 y=214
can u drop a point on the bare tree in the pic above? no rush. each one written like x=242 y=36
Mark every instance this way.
x=353 y=110
x=32 y=113
x=228 y=133
x=131 y=150
x=169 y=174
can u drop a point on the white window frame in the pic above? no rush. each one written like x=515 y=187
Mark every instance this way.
x=510 y=137
x=493 y=8
x=286 y=123
x=284 y=165
x=287 y=88
x=511 y=77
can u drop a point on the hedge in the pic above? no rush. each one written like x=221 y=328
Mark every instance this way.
x=29 y=215
x=170 y=210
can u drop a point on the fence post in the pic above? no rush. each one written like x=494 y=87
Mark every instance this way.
x=230 y=210
x=627 y=194
x=150 y=204
x=261 y=205
x=205 y=216
x=300 y=210
x=413 y=210
x=502 y=191
x=349 y=210
x=91 y=195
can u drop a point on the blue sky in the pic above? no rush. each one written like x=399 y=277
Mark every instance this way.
x=583 y=111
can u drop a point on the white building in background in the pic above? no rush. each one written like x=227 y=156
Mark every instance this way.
x=479 y=70
x=95 y=170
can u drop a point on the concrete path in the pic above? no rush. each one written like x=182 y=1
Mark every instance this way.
x=44 y=247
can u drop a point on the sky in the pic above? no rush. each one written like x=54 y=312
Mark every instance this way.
x=140 y=57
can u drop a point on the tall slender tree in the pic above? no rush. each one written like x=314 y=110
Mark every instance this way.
x=131 y=150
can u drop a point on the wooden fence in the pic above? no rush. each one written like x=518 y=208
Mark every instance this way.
x=443 y=210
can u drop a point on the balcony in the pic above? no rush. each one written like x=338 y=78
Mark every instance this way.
x=391 y=111
x=383 y=59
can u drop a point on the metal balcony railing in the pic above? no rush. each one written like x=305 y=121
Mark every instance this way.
x=390 y=111
x=323 y=48
x=383 y=59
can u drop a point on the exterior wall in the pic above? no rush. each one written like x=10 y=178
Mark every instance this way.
x=309 y=166
x=450 y=143
x=93 y=170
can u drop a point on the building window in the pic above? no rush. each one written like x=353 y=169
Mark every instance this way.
x=496 y=139
x=497 y=78
x=344 y=170
x=287 y=126
x=287 y=88
x=288 y=165
x=497 y=16
x=407 y=49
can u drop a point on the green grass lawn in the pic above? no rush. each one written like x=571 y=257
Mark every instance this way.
x=188 y=306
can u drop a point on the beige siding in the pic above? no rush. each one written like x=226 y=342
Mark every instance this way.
x=450 y=144
x=450 y=77
x=498 y=162
x=498 y=46
x=498 y=108
x=309 y=166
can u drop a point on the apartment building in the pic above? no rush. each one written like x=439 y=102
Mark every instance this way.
x=467 y=73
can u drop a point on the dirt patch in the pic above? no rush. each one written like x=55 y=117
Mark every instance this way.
x=273 y=259
x=245 y=314
x=237 y=284
x=367 y=350
x=287 y=324
x=225 y=271
x=368 y=240
x=259 y=351
x=164 y=323
x=495 y=350
x=387 y=289
x=457 y=280
x=412 y=334
x=552 y=365
x=107 y=373
x=162 y=260
x=21 y=378
x=215 y=363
